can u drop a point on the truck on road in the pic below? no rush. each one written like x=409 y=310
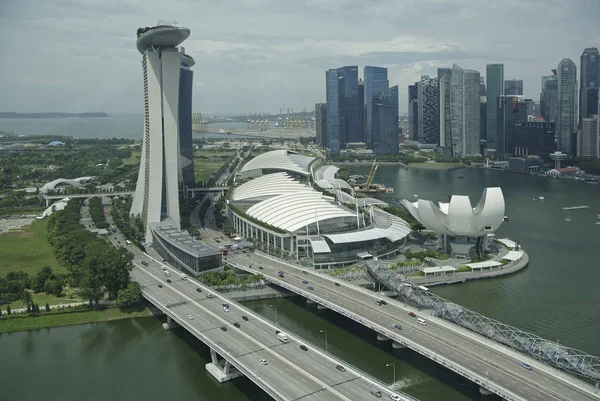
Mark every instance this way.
x=281 y=336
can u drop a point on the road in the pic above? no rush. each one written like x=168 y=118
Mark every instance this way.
x=295 y=374
x=503 y=369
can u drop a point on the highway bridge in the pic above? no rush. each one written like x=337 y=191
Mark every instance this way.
x=288 y=373
x=494 y=367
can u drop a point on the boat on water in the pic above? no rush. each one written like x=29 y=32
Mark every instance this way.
x=505 y=218
x=539 y=198
x=461 y=176
x=598 y=223
x=575 y=207
x=568 y=219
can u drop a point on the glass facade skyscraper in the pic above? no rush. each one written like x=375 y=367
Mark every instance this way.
x=495 y=88
x=334 y=88
x=186 y=145
x=549 y=98
x=321 y=124
x=444 y=78
x=413 y=111
x=513 y=87
x=512 y=109
x=376 y=81
x=385 y=122
x=464 y=111
x=590 y=77
x=428 y=116
x=567 y=106
x=351 y=106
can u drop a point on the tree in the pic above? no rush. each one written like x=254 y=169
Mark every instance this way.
x=130 y=295
x=54 y=287
x=27 y=300
x=0 y=312
x=39 y=282
x=8 y=310
x=47 y=307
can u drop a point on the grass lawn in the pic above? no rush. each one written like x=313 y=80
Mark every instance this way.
x=27 y=250
x=203 y=169
x=42 y=299
x=437 y=166
x=69 y=319
x=17 y=211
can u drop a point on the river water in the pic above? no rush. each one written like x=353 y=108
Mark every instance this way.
x=556 y=297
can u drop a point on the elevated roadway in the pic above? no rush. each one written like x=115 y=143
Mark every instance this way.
x=290 y=372
x=496 y=368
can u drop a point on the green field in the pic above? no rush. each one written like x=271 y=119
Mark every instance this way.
x=69 y=319
x=42 y=299
x=27 y=250
x=135 y=157
x=437 y=166
x=207 y=161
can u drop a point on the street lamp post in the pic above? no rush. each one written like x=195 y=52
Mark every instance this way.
x=326 y=345
x=276 y=317
x=393 y=370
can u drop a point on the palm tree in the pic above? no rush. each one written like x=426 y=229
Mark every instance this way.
x=27 y=300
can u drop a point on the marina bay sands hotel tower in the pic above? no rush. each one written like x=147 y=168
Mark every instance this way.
x=167 y=152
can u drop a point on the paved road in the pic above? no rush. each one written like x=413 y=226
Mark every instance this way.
x=296 y=374
x=503 y=368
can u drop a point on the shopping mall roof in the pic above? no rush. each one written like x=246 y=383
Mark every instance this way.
x=283 y=160
x=386 y=226
x=293 y=211
x=324 y=176
x=267 y=186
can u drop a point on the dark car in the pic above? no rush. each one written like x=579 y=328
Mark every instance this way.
x=260 y=268
x=144 y=263
x=160 y=286
x=526 y=366
x=310 y=288
x=225 y=305
x=337 y=284
x=383 y=302
x=305 y=272
x=168 y=280
x=397 y=326
x=280 y=273
x=224 y=328
x=303 y=348
x=245 y=318
x=199 y=289
x=378 y=303
x=237 y=325
x=412 y=314
x=340 y=368
x=304 y=282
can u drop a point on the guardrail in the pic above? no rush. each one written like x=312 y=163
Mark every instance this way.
x=476 y=378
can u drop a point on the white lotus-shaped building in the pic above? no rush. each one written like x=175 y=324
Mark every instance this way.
x=464 y=227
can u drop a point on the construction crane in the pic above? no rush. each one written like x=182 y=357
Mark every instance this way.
x=372 y=173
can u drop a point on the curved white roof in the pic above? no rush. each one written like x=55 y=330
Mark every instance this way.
x=324 y=176
x=65 y=182
x=293 y=211
x=55 y=207
x=280 y=160
x=267 y=186
x=458 y=218
x=386 y=226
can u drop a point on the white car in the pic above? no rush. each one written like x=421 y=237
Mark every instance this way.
x=263 y=361
x=395 y=397
x=191 y=317
x=225 y=309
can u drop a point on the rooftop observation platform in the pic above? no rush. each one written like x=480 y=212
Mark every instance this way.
x=161 y=36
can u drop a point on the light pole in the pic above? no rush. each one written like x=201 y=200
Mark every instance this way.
x=393 y=370
x=276 y=319
x=326 y=345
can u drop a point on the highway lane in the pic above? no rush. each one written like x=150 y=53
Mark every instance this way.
x=502 y=368
x=330 y=385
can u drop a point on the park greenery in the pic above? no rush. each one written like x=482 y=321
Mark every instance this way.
x=131 y=227
x=229 y=277
x=97 y=213
x=18 y=286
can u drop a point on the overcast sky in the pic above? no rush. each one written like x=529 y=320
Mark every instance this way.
x=258 y=55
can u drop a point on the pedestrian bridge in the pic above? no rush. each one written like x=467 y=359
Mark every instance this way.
x=495 y=367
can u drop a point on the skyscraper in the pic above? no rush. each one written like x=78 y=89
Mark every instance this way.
x=186 y=142
x=590 y=79
x=413 y=111
x=361 y=111
x=534 y=138
x=351 y=127
x=567 y=106
x=464 y=111
x=334 y=88
x=590 y=143
x=549 y=98
x=385 y=122
x=157 y=192
x=512 y=109
x=321 y=123
x=444 y=76
x=428 y=116
x=376 y=80
x=495 y=89
x=513 y=87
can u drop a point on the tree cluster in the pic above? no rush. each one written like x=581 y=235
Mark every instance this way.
x=97 y=213
x=228 y=277
x=94 y=265
x=130 y=295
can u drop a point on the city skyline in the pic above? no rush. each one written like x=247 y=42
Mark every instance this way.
x=93 y=40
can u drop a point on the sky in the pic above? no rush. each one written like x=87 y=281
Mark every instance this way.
x=256 y=56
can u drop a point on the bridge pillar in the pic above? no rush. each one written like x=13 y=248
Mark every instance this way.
x=397 y=345
x=221 y=370
x=170 y=324
x=321 y=307
x=484 y=391
x=381 y=337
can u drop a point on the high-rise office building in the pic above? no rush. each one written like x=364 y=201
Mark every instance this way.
x=428 y=110
x=567 y=106
x=376 y=81
x=351 y=127
x=512 y=109
x=482 y=88
x=157 y=192
x=334 y=88
x=321 y=123
x=444 y=76
x=361 y=110
x=482 y=117
x=590 y=143
x=534 y=138
x=385 y=122
x=413 y=111
x=186 y=142
x=495 y=88
x=513 y=87
x=464 y=110
x=549 y=98
x=590 y=80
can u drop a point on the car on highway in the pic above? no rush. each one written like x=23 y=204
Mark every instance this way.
x=260 y=267
x=225 y=307
x=169 y=281
x=191 y=317
x=340 y=368
x=303 y=348
x=378 y=303
x=236 y=325
x=224 y=328
x=337 y=284
x=245 y=318
x=395 y=397
x=263 y=361
x=208 y=295
x=164 y=267
x=310 y=288
x=160 y=286
x=183 y=277
x=397 y=326
x=199 y=289
x=305 y=272
x=412 y=314
x=383 y=302
x=304 y=282
x=526 y=366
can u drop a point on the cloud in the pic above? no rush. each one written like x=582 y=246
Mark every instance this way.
x=256 y=55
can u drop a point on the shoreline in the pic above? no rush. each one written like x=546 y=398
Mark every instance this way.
x=434 y=166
